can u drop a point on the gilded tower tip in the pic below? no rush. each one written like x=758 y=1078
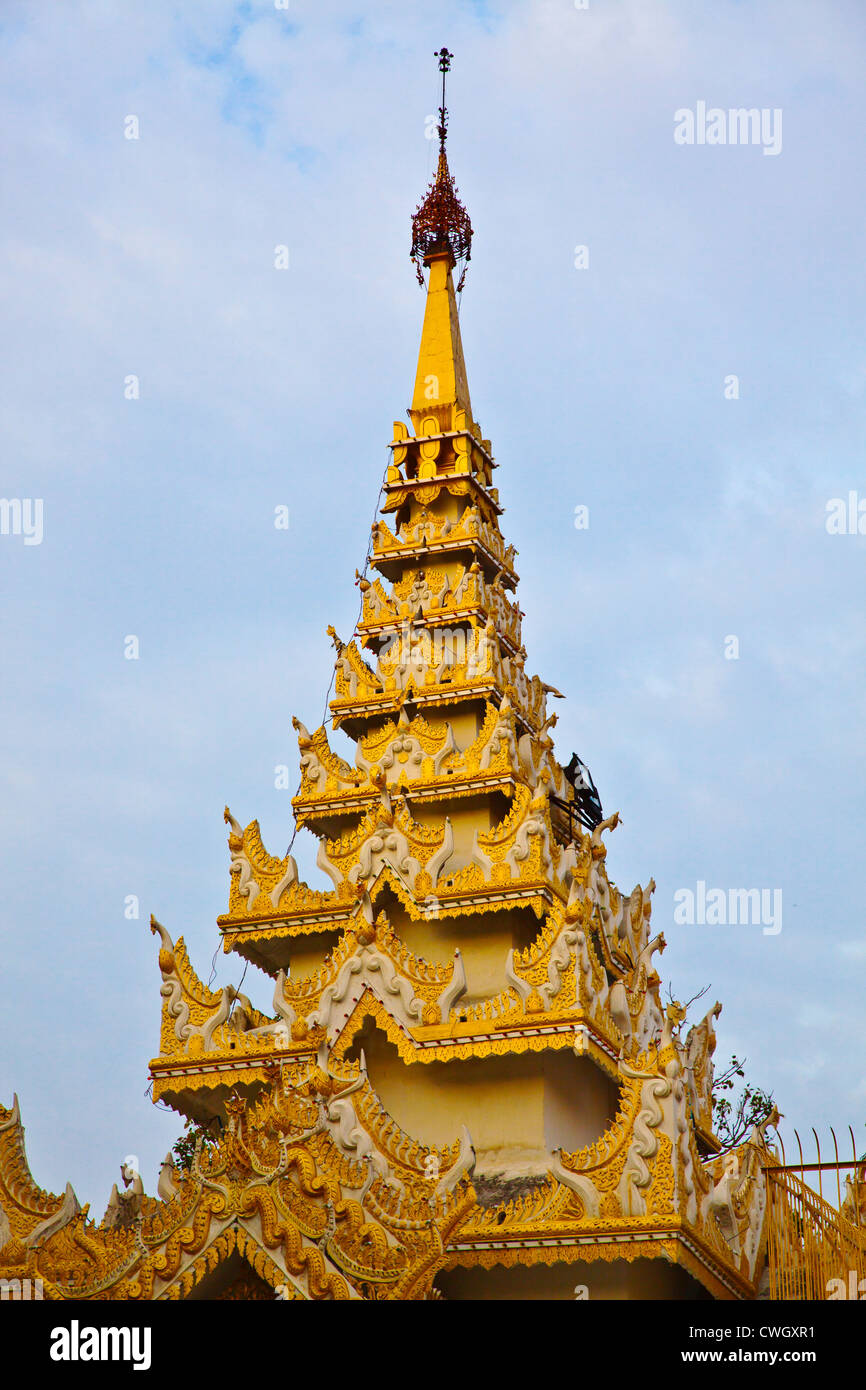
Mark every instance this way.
x=440 y=224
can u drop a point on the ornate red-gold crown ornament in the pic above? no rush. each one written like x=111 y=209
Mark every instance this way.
x=441 y=220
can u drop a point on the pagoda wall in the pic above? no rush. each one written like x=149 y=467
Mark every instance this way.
x=467 y=817
x=483 y=939
x=518 y=1107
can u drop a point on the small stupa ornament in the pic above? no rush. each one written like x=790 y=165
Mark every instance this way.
x=441 y=222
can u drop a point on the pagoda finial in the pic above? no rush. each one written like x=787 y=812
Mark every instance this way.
x=441 y=225
x=444 y=67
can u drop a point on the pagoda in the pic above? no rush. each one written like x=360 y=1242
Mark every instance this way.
x=468 y=1086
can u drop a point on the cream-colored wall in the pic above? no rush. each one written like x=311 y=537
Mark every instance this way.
x=465 y=724
x=484 y=942
x=580 y=1101
x=516 y=1108
x=307 y=953
x=466 y=817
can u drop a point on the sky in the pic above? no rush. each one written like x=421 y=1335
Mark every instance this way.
x=695 y=378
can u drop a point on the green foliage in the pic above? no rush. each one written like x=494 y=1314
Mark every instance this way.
x=183 y=1151
x=734 y=1119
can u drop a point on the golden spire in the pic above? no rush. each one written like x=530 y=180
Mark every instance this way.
x=441 y=236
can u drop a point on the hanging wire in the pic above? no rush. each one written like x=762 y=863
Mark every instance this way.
x=213 y=966
x=325 y=718
x=237 y=992
x=325 y=721
x=160 y=1104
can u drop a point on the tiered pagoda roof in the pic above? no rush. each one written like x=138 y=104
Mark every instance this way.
x=465 y=921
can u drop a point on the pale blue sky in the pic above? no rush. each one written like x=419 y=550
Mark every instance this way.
x=601 y=387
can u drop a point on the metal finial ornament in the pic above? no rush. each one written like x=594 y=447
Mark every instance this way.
x=444 y=67
x=440 y=221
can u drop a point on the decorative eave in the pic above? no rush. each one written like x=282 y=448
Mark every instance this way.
x=315 y=1218
x=557 y=989
x=177 y=1080
x=640 y=1191
x=388 y=624
x=403 y=439
x=517 y=855
x=409 y=757
x=465 y=1037
x=674 y=1241
x=425 y=490
x=440 y=791
x=395 y=559
x=570 y=979
x=238 y=932
x=418 y=670
x=474 y=602
x=320 y=1216
x=194 y=1018
x=356 y=714
x=557 y=995
x=28 y=1214
x=433 y=452
x=431 y=536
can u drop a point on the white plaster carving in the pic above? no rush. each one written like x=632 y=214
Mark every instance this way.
x=288 y=878
x=443 y=854
x=68 y=1210
x=240 y=864
x=386 y=845
x=480 y=858
x=454 y=990
x=577 y=1182
x=463 y=1166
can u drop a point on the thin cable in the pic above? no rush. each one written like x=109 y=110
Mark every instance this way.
x=237 y=992
x=213 y=966
x=326 y=720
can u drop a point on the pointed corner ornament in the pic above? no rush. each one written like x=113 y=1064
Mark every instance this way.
x=441 y=222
